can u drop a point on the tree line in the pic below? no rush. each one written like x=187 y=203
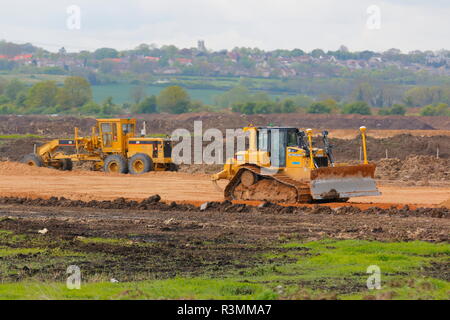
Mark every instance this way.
x=75 y=97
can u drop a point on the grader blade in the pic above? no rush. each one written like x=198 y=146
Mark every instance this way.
x=343 y=182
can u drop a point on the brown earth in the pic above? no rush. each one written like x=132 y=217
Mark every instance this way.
x=421 y=169
x=224 y=219
x=60 y=126
x=400 y=146
x=19 y=180
x=159 y=241
x=446 y=204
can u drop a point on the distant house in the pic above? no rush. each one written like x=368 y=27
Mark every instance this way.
x=22 y=57
x=116 y=60
x=332 y=59
x=152 y=59
x=184 y=61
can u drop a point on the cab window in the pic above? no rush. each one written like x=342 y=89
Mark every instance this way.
x=263 y=140
x=106 y=134
x=128 y=128
x=114 y=132
x=292 y=138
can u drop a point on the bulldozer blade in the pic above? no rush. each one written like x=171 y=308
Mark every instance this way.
x=343 y=182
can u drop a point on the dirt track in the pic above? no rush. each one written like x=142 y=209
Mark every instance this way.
x=22 y=181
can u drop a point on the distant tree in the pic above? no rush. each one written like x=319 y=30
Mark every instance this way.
x=364 y=92
x=396 y=109
x=317 y=53
x=13 y=88
x=420 y=96
x=173 y=99
x=21 y=99
x=233 y=96
x=301 y=100
x=297 y=52
x=137 y=93
x=358 y=107
x=319 y=107
x=288 y=106
x=142 y=49
x=148 y=105
x=75 y=93
x=3 y=100
x=440 y=109
x=91 y=108
x=107 y=66
x=105 y=53
x=109 y=108
x=42 y=95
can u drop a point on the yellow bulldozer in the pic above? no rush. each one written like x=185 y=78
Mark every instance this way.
x=112 y=146
x=281 y=165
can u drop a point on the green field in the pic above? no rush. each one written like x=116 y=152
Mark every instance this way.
x=121 y=93
x=33 y=267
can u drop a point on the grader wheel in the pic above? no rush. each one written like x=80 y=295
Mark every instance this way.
x=116 y=164
x=66 y=165
x=140 y=163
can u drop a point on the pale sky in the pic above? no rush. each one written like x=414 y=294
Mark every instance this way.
x=223 y=24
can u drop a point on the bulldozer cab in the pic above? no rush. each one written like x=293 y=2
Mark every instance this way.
x=114 y=134
x=275 y=141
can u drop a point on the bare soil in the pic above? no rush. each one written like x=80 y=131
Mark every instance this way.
x=60 y=126
x=160 y=241
x=20 y=180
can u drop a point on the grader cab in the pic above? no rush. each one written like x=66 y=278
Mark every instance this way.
x=113 y=146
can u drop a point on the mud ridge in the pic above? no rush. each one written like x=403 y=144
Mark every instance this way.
x=154 y=203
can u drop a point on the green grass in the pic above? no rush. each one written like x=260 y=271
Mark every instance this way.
x=177 y=288
x=286 y=270
x=31 y=79
x=20 y=136
x=121 y=93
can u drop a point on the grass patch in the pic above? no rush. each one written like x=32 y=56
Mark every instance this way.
x=177 y=288
x=19 y=136
x=293 y=270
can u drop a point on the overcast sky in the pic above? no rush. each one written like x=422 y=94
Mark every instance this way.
x=224 y=24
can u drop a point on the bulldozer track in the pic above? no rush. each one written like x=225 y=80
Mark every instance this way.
x=301 y=187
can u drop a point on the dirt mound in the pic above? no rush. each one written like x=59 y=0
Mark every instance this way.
x=15 y=149
x=16 y=168
x=446 y=204
x=399 y=146
x=9 y=168
x=414 y=168
x=48 y=126
x=200 y=168
x=154 y=203
x=163 y=123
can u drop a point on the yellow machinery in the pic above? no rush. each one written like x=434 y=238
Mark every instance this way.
x=112 y=146
x=282 y=165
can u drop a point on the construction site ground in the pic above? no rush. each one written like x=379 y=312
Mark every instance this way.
x=131 y=244
x=19 y=180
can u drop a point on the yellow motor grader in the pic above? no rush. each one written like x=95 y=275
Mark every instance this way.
x=112 y=146
x=281 y=165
